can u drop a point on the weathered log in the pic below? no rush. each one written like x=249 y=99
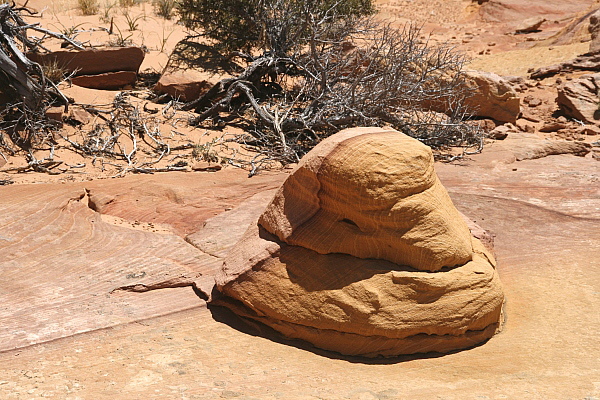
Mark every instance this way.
x=23 y=80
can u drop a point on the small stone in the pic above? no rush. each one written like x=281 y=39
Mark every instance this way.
x=79 y=116
x=185 y=85
x=553 y=126
x=524 y=126
x=589 y=130
x=55 y=114
x=535 y=102
x=204 y=166
x=499 y=133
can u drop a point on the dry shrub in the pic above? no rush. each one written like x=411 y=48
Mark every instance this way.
x=164 y=8
x=127 y=3
x=88 y=7
x=320 y=73
x=53 y=71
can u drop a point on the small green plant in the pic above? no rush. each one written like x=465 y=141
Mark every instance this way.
x=164 y=8
x=205 y=152
x=105 y=17
x=88 y=7
x=70 y=32
x=164 y=39
x=120 y=40
x=132 y=23
x=126 y=3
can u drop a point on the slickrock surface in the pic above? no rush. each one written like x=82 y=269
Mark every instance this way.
x=544 y=214
x=66 y=268
x=362 y=252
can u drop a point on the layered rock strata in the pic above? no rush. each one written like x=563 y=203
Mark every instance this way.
x=361 y=251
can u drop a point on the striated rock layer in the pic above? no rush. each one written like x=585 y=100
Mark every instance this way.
x=361 y=251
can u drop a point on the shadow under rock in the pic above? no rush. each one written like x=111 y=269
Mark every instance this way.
x=254 y=328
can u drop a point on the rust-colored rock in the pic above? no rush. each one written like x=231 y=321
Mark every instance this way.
x=185 y=85
x=362 y=252
x=107 y=81
x=56 y=114
x=93 y=61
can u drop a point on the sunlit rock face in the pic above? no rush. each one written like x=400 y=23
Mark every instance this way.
x=361 y=251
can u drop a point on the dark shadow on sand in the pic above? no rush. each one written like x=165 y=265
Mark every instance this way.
x=254 y=328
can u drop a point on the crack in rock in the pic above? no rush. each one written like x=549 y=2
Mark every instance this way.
x=181 y=281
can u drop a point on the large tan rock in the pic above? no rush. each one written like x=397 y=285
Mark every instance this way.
x=493 y=96
x=579 y=98
x=362 y=252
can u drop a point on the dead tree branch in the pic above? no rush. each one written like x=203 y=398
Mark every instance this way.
x=23 y=83
x=348 y=74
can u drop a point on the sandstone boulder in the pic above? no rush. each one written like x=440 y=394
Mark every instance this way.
x=93 y=61
x=361 y=251
x=186 y=85
x=579 y=98
x=493 y=96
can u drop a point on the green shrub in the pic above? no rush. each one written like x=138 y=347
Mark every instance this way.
x=275 y=25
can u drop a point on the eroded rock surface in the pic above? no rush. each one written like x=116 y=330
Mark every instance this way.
x=362 y=252
x=493 y=96
x=579 y=98
x=594 y=29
